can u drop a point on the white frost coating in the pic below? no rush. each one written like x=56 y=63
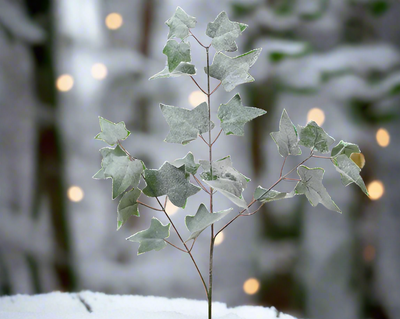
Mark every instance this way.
x=357 y=59
x=93 y=305
x=267 y=18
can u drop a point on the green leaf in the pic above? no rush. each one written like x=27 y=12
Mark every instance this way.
x=286 y=139
x=345 y=148
x=105 y=153
x=234 y=116
x=233 y=71
x=190 y=165
x=128 y=206
x=179 y=24
x=349 y=171
x=311 y=186
x=111 y=133
x=118 y=166
x=263 y=195
x=151 y=238
x=314 y=137
x=171 y=181
x=224 y=32
x=185 y=125
x=197 y=223
x=176 y=53
x=225 y=179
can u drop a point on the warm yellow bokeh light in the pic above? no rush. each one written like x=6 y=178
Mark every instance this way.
x=65 y=82
x=75 y=194
x=99 y=71
x=114 y=21
x=219 y=239
x=369 y=253
x=375 y=190
x=359 y=159
x=196 y=98
x=316 y=115
x=383 y=137
x=171 y=208
x=251 y=286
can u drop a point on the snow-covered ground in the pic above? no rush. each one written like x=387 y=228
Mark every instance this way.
x=96 y=305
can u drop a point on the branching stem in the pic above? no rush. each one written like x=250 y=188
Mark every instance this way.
x=198 y=85
x=201 y=185
x=198 y=40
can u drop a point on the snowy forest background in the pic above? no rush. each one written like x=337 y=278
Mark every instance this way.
x=340 y=56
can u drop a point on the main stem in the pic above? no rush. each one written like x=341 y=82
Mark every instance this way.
x=210 y=276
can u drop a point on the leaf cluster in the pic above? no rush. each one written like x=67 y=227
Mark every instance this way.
x=177 y=179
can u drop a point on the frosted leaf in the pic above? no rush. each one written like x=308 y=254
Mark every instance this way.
x=151 y=238
x=203 y=218
x=311 y=186
x=234 y=116
x=233 y=71
x=171 y=181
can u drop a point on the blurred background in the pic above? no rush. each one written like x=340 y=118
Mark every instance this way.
x=65 y=62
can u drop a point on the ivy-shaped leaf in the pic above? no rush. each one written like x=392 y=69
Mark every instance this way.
x=190 y=165
x=197 y=223
x=111 y=133
x=128 y=206
x=286 y=138
x=234 y=116
x=311 y=186
x=105 y=153
x=151 y=238
x=349 y=171
x=123 y=171
x=178 y=56
x=179 y=24
x=233 y=71
x=224 y=32
x=225 y=179
x=185 y=125
x=345 y=148
x=263 y=195
x=176 y=53
x=314 y=137
x=171 y=181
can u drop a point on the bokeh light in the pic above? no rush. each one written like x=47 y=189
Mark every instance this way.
x=114 y=21
x=359 y=159
x=196 y=98
x=170 y=208
x=65 y=82
x=219 y=239
x=316 y=115
x=375 y=190
x=99 y=71
x=383 y=137
x=251 y=286
x=75 y=194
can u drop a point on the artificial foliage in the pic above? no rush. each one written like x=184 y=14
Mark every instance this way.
x=179 y=179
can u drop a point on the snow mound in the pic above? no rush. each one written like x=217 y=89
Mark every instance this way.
x=96 y=305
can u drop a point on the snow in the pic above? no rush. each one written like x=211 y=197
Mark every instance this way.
x=95 y=305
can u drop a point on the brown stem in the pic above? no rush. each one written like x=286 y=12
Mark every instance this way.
x=216 y=88
x=198 y=40
x=201 y=136
x=201 y=185
x=148 y=206
x=198 y=85
x=175 y=246
x=216 y=137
